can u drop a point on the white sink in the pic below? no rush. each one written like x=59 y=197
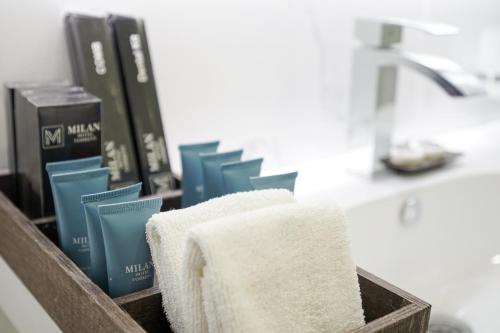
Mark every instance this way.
x=446 y=251
x=447 y=248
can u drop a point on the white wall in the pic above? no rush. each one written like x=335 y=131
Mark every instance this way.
x=269 y=75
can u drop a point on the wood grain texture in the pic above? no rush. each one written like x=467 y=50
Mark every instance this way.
x=387 y=308
x=78 y=305
x=146 y=308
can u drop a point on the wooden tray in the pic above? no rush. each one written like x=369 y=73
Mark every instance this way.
x=76 y=304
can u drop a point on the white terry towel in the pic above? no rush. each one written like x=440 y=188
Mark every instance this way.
x=285 y=268
x=167 y=236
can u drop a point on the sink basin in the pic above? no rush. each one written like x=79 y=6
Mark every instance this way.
x=436 y=235
x=440 y=242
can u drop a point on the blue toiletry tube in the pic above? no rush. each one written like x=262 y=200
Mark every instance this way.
x=66 y=166
x=285 y=181
x=90 y=202
x=73 y=165
x=213 y=183
x=67 y=190
x=192 y=173
x=128 y=258
x=237 y=175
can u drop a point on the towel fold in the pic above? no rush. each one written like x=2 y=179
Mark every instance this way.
x=167 y=236
x=285 y=268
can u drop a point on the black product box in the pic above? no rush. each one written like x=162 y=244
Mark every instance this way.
x=95 y=67
x=45 y=91
x=10 y=89
x=22 y=93
x=50 y=128
x=137 y=74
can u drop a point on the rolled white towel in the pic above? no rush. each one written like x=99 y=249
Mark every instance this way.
x=167 y=235
x=285 y=268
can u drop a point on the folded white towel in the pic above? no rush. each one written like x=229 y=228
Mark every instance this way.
x=167 y=235
x=285 y=268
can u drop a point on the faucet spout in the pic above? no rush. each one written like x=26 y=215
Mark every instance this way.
x=450 y=76
x=373 y=90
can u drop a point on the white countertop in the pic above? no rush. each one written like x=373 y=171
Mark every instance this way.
x=333 y=179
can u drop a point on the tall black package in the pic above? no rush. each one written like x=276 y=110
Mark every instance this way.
x=10 y=89
x=95 y=67
x=50 y=128
x=137 y=74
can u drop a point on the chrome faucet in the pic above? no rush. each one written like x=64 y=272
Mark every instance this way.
x=374 y=78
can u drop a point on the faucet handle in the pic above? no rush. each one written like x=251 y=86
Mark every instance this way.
x=384 y=32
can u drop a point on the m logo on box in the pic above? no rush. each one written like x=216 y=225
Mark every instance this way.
x=52 y=137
